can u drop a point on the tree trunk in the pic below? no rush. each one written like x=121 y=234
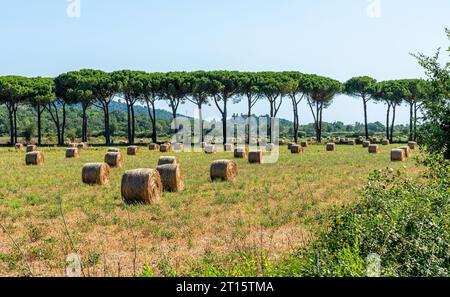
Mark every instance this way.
x=392 y=124
x=106 y=118
x=63 y=126
x=154 y=135
x=133 y=124
x=84 y=127
x=39 y=122
x=11 y=126
x=174 y=116
x=249 y=115
x=411 y=115
x=129 y=122
x=366 y=128
x=317 y=121
x=415 y=122
x=224 y=120
x=296 y=122
x=15 y=125
x=200 y=118
x=320 y=123
x=387 y=121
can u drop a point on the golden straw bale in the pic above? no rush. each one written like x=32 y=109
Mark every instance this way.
x=255 y=157
x=114 y=159
x=31 y=148
x=412 y=145
x=141 y=186
x=407 y=150
x=132 y=150
x=224 y=170
x=34 y=158
x=374 y=149
x=171 y=177
x=153 y=146
x=240 y=153
x=164 y=148
x=72 y=152
x=331 y=147
x=296 y=149
x=173 y=160
x=398 y=155
x=95 y=173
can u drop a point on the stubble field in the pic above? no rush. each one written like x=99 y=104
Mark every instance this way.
x=46 y=212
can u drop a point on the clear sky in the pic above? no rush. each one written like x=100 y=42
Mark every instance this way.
x=339 y=39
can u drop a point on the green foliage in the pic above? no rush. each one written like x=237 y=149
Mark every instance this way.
x=403 y=220
x=435 y=131
x=362 y=86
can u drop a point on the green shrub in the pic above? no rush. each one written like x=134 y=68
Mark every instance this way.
x=403 y=220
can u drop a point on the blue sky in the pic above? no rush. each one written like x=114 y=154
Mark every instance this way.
x=333 y=38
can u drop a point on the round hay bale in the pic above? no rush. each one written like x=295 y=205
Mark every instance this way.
x=374 y=149
x=296 y=149
x=304 y=144
x=255 y=157
x=83 y=146
x=270 y=147
x=132 y=150
x=171 y=177
x=290 y=144
x=141 y=186
x=164 y=148
x=210 y=149
x=113 y=150
x=331 y=147
x=122 y=142
x=240 y=153
x=366 y=143
x=228 y=147
x=153 y=146
x=72 y=152
x=72 y=144
x=95 y=173
x=224 y=170
x=398 y=155
x=114 y=159
x=351 y=142
x=385 y=142
x=407 y=150
x=31 y=148
x=412 y=145
x=172 y=160
x=18 y=146
x=34 y=158
x=178 y=146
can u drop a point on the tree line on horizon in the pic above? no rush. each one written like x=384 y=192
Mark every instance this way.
x=95 y=88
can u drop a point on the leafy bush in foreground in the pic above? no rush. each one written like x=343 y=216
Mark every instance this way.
x=403 y=220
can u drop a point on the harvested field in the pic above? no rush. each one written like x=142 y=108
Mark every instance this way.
x=269 y=207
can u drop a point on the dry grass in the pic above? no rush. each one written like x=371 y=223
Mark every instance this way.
x=274 y=208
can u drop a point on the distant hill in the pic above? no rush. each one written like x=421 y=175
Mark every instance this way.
x=161 y=114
